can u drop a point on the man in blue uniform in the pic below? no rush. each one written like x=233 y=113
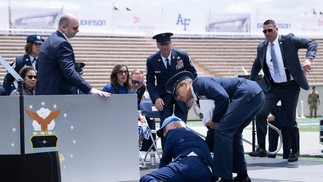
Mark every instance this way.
x=161 y=66
x=192 y=159
x=236 y=102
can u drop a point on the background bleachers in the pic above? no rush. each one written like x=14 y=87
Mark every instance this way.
x=221 y=57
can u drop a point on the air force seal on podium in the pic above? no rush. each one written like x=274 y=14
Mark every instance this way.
x=43 y=139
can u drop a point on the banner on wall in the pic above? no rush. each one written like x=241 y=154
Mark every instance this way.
x=109 y=19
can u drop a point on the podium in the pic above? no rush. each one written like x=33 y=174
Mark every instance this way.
x=35 y=167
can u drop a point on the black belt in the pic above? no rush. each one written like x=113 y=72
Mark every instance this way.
x=283 y=83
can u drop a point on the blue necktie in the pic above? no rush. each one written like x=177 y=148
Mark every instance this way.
x=168 y=65
x=275 y=62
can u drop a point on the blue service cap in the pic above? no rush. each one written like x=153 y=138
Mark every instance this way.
x=163 y=37
x=35 y=38
x=177 y=78
x=165 y=122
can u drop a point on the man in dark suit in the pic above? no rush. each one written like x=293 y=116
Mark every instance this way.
x=32 y=49
x=186 y=156
x=160 y=67
x=278 y=57
x=236 y=102
x=57 y=67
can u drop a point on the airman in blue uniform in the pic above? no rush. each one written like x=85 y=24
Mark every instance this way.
x=32 y=49
x=161 y=66
x=186 y=157
x=236 y=101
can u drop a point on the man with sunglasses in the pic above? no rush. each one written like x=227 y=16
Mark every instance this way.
x=283 y=77
x=137 y=83
x=236 y=102
x=58 y=72
x=161 y=66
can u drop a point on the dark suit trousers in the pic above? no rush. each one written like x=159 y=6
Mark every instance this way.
x=273 y=142
x=288 y=94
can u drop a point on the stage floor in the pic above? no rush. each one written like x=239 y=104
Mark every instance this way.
x=276 y=170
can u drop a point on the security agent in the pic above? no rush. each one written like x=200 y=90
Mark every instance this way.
x=284 y=75
x=192 y=159
x=32 y=48
x=161 y=66
x=237 y=101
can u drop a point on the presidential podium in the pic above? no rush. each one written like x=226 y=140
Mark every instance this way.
x=82 y=138
x=35 y=167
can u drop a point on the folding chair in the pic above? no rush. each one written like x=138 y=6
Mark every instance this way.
x=147 y=108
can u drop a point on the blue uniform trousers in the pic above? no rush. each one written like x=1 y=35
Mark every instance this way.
x=189 y=169
x=228 y=147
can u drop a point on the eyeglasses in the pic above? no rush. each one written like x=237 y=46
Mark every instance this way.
x=121 y=72
x=32 y=77
x=136 y=82
x=75 y=28
x=267 y=30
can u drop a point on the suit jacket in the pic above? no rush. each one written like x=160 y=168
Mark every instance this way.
x=223 y=91
x=156 y=71
x=19 y=63
x=289 y=46
x=180 y=142
x=57 y=72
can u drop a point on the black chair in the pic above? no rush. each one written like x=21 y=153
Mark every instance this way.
x=148 y=110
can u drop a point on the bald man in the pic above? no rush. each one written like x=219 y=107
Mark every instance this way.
x=57 y=73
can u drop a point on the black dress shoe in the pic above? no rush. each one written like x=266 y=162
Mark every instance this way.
x=240 y=179
x=258 y=153
x=293 y=157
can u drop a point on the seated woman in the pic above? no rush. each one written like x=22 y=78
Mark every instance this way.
x=119 y=84
x=28 y=73
x=119 y=81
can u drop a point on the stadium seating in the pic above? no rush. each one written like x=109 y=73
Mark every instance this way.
x=220 y=57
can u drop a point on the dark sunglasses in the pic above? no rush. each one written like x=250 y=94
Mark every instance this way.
x=75 y=28
x=268 y=30
x=121 y=72
x=136 y=82
x=31 y=77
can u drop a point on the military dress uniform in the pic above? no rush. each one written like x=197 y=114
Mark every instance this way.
x=158 y=74
x=237 y=101
x=21 y=61
x=186 y=157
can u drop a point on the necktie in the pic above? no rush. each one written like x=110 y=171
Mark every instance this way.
x=275 y=62
x=168 y=65
x=35 y=60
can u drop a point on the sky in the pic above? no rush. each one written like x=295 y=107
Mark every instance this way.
x=298 y=7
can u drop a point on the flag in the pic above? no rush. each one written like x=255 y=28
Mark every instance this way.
x=128 y=9
x=314 y=12
x=115 y=7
